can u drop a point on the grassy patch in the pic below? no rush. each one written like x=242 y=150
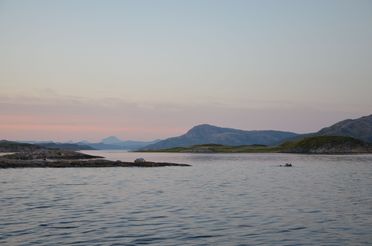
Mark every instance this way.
x=315 y=145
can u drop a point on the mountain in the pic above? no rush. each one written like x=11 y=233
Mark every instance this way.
x=208 y=134
x=360 y=128
x=111 y=140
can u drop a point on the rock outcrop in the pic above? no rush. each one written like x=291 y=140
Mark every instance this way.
x=66 y=158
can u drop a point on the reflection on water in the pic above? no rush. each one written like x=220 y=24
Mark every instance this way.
x=223 y=199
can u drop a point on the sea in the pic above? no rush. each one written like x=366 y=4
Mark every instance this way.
x=222 y=199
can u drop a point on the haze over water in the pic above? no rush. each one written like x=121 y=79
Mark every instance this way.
x=223 y=199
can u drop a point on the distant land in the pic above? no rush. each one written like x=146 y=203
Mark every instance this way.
x=308 y=145
x=108 y=143
x=66 y=146
x=208 y=134
x=326 y=145
x=113 y=142
x=360 y=128
x=347 y=136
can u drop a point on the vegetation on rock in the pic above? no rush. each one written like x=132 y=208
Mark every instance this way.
x=309 y=145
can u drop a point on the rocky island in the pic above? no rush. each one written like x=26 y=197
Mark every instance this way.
x=57 y=158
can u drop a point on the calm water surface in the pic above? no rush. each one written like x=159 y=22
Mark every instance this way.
x=223 y=199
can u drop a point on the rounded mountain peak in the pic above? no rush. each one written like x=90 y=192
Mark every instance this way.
x=111 y=140
x=205 y=129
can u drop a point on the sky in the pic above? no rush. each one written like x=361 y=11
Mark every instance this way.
x=84 y=69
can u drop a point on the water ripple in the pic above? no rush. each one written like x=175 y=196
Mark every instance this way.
x=220 y=200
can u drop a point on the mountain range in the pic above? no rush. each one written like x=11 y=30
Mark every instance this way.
x=360 y=128
x=208 y=134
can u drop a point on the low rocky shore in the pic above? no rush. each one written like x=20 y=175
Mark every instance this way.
x=68 y=159
x=49 y=154
x=9 y=163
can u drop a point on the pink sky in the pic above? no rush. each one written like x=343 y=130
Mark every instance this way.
x=63 y=119
x=76 y=71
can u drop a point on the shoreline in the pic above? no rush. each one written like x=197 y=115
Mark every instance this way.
x=8 y=163
x=55 y=158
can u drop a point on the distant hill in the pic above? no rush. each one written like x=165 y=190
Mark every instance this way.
x=112 y=140
x=218 y=148
x=11 y=146
x=208 y=134
x=65 y=146
x=360 y=128
x=308 y=145
x=326 y=145
x=115 y=143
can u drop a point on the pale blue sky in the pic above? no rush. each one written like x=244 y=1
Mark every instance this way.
x=153 y=69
